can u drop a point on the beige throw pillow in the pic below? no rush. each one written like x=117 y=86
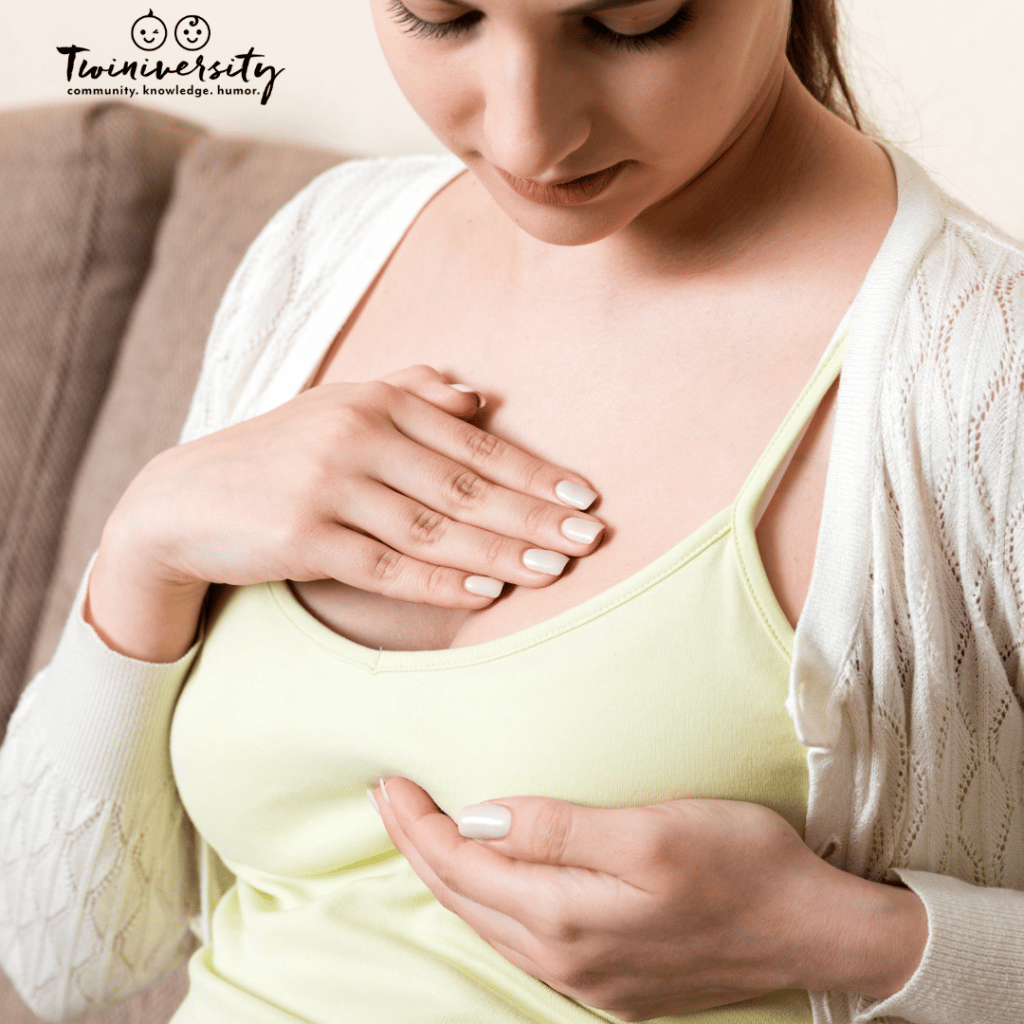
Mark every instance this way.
x=82 y=189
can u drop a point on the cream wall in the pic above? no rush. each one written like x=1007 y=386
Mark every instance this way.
x=944 y=78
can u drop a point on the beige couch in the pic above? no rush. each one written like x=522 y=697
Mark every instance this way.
x=119 y=230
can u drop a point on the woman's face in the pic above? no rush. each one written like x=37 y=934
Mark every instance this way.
x=637 y=96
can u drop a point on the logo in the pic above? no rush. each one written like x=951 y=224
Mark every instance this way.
x=149 y=32
x=192 y=32
x=241 y=74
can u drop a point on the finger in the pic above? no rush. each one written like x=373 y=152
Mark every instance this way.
x=460 y=493
x=427 y=383
x=490 y=924
x=534 y=895
x=491 y=457
x=365 y=563
x=613 y=841
x=414 y=529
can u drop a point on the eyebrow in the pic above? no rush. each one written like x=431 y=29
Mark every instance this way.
x=590 y=7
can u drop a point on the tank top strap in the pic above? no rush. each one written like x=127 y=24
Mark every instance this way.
x=764 y=478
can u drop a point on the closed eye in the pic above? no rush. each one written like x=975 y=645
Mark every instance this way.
x=432 y=29
x=598 y=31
x=663 y=33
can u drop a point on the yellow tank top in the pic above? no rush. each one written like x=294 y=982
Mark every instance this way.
x=670 y=684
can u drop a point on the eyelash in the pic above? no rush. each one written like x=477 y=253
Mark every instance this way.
x=664 y=33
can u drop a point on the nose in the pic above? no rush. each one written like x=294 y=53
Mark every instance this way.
x=536 y=112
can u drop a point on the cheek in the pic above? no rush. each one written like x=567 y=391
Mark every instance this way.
x=439 y=87
x=690 y=100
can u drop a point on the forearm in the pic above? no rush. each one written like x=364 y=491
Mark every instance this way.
x=95 y=844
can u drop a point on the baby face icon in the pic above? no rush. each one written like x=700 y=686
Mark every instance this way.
x=149 y=32
x=192 y=32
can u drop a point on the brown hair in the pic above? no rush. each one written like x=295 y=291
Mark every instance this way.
x=813 y=50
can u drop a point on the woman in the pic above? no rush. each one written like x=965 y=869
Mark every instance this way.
x=665 y=248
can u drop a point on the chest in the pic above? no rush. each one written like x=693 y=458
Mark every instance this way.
x=668 y=686
x=664 y=401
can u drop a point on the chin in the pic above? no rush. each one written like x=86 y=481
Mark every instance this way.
x=565 y=228
x=560 y=225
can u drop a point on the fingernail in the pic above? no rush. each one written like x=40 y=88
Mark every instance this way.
x=484 y=821
x=483 y=586
x=584 y=531
x=549 y=562
x=384 y=790
x=373 y=802
x=575 y=494
x=467 y=390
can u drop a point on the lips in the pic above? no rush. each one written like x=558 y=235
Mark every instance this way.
x=573 y=192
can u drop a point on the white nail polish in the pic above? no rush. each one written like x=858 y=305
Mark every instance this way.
x=575 y=494
x=467 y=390
x=373 y=802
x=484 y=821
x=551 y=563
x=483 y=586
x=583 y=531
x=384 y=790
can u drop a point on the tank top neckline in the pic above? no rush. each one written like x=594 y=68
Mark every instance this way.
x=738 y=519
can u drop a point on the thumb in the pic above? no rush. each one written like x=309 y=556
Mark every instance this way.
x=543 y=830
x=431 y=386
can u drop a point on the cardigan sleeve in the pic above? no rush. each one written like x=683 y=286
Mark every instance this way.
x=972 y=970
x=97 y=866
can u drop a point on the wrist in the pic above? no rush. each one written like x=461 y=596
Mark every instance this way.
x=865 y=937
x=139 y=614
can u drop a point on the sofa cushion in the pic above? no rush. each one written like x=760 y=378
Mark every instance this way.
x=82 y=189
x=225 y=190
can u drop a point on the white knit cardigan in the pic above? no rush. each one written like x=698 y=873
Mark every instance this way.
x=906 y=683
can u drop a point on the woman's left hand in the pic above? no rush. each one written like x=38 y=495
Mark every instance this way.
x=659 y=910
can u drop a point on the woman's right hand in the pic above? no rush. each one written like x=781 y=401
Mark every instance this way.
x=381 y=485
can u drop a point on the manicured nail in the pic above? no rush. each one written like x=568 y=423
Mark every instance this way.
x=551 y=563
x=484 y=821
x=384 y=790
x=483 y=586
x=575 y=494
x=373 y=802
x=584 y=531
x=467 y=390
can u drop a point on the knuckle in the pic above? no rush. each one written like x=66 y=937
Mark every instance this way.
x=660 y=847
x=428 y=527
x=421 y=371
x=435 y=584
x=494 y=553
x=483 y=447
x=550 y=833
x=448 y=876
x=387 y=567
x=530 y=473
x=378 y=392
x=465 y=488
x=348 y=423
x=561 y=929
x=289 y=533
x=535 y=518
x=566 y=968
